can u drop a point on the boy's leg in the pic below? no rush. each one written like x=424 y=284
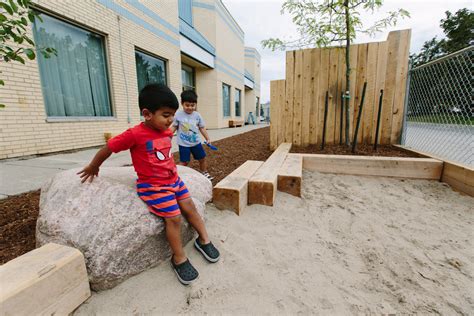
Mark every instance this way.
x=199 y=154
x=188 y=209
x=203 y=164
x=173 y=234
x=184 y=155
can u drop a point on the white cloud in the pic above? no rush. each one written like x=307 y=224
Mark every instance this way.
x=261 y=19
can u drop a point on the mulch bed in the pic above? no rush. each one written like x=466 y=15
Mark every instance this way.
x=361 y=150
x=19 y=212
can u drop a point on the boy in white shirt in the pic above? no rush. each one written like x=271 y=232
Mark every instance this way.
x=189 y=123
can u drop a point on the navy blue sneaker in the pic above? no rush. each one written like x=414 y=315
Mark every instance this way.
x=185 y=272
x=208 y=251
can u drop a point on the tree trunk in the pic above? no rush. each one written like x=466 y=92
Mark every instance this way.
x=348 y=70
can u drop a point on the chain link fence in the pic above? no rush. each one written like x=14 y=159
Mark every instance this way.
x=439 y=113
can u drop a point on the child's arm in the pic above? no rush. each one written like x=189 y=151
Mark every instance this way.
x=205 y=134
x=92 y=169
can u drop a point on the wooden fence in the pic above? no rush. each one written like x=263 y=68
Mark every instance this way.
x=297 y=103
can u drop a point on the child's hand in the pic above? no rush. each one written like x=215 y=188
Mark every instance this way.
x=89 y=172
x=208 y=140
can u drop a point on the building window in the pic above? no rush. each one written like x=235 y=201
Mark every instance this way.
x=149 y=70
x=237 y=102
x=75 y=82
x=226 y=99
x=186 y=11
x=187 y=77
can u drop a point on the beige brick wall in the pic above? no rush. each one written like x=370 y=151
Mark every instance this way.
x=229 y=62
x=24 y=127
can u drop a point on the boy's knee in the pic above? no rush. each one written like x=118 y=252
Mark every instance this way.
x=187 y=206
x=173 y=221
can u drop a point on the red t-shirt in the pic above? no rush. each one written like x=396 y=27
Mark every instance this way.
x=151 y=153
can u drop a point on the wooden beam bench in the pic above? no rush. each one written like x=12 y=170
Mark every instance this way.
x=263 y=184
x=398 y=167
x=236 y=123
x=290 y=174
x=50 y=280
x=232 y=192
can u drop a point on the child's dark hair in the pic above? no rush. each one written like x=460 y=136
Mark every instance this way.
x=189 y=96
x=155 y=96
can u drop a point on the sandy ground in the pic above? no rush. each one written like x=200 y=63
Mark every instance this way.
x=351 y=245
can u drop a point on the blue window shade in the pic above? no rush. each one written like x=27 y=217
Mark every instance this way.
x=226 y=99
x=237 y=102
x=75 y=82
x=186 y=11
x=149 y=70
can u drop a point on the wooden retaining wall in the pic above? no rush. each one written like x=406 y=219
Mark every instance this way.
x=297 y=103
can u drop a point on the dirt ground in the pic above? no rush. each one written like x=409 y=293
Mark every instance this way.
x=19 y=213
x=361 y=150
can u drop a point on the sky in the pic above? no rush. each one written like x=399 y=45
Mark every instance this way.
x=261 y=19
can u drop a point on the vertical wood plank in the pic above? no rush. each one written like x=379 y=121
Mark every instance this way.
x=360 y=79
x=281 y=87
x=400 y=86
x=390 y=81
x=380 y=83
x=307 y=86
x=370 y=104
x=323 y=79
x=288 y=114
x=315 y=99
x=333 y=72
x=298 y=97
x=274 y=104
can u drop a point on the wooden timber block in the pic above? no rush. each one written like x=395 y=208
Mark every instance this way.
x=50 y=280
x=263 y=184
x=397 y=167
x=235 y=123
x=290 y=174
x=232 y=191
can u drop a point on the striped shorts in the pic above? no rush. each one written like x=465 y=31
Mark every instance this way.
x=162 y=200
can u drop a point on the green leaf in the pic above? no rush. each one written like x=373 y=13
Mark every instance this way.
x=2 y=106
x=2 y=18
x=19 y=59
x=31 y=17
x=29 y=53
x=6 y=7
x=24 y=21
x=13 y=6
x=2 y=83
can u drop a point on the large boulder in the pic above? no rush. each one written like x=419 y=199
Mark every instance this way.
x=108 y=222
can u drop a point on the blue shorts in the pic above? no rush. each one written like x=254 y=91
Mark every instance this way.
x=185 y=153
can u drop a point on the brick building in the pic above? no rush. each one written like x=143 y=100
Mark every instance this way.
x=108 y=50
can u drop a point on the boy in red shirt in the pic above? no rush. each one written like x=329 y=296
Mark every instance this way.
x=158 y=184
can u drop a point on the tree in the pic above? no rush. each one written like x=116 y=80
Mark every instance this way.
x=323 y=22
x=458 y=31
x=15 y=43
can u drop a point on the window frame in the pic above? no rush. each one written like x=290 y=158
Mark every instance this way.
x=193 y=76
x=229 y=94
x=107 y=64
x=145 y=52
x=239 y=102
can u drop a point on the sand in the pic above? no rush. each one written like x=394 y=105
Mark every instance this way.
x=350 y=245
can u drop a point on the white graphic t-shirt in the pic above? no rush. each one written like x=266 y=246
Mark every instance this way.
x=188 y=128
